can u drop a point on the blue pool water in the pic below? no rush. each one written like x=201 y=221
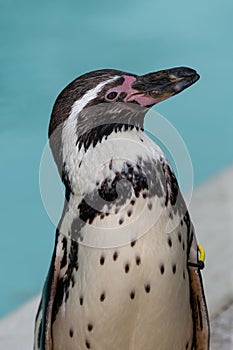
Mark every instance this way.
x=44 y=45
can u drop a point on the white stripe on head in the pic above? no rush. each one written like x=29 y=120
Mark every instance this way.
x=69 y=130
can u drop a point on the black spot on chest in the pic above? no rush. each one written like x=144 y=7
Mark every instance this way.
x=115 y=255
x=147 y=288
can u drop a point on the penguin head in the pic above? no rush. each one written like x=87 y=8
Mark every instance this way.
x=98 y=103
x=109 y=86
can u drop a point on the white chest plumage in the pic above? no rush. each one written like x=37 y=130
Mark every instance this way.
x=132 y=296
x=132 y=280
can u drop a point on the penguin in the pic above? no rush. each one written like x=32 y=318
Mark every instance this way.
x=126 y=267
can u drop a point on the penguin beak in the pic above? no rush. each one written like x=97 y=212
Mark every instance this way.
x=155 y=87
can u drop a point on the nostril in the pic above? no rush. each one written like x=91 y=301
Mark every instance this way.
x=122 y=95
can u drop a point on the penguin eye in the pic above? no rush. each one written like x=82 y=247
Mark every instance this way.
x=111 y=96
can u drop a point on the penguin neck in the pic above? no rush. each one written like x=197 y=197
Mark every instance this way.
x=84 y=169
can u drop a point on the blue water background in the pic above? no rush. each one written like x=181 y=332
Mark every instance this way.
x=46 y=44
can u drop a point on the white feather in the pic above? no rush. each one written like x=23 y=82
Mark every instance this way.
x=69 y=131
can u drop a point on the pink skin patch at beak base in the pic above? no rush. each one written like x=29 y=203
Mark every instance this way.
x=132 y=94
x=135 y=95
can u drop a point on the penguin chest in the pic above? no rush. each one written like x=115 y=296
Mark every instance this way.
x=131 y=296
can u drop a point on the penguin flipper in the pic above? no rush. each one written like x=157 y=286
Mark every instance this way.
x=201 y=337
x=43 y=323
